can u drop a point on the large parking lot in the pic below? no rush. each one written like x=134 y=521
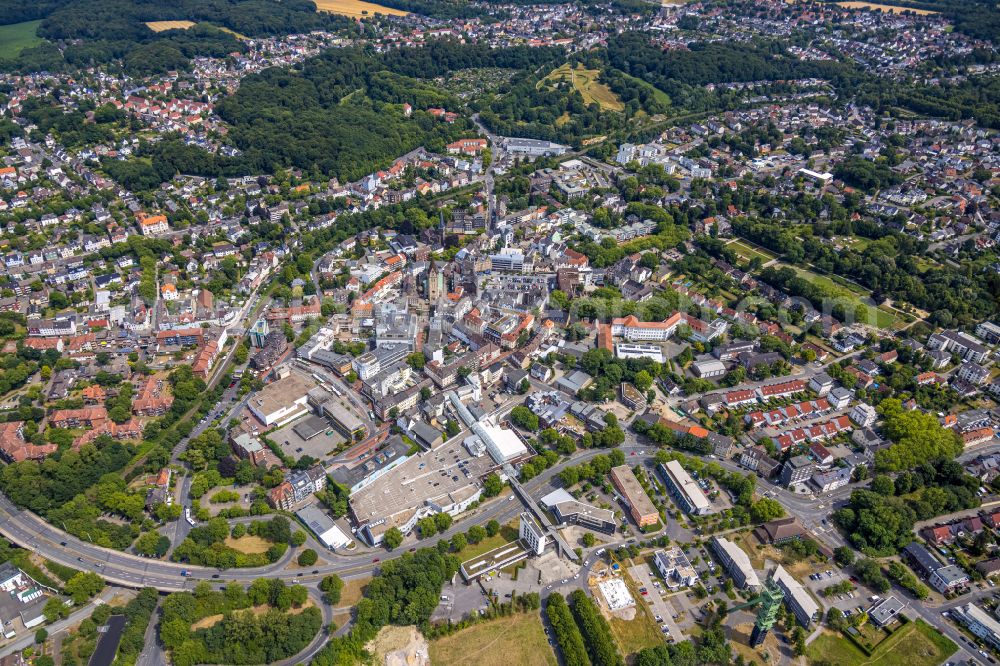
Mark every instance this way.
x=655 y=598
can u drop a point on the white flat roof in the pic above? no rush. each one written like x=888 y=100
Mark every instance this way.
x=740 y=559
x=507 y=443
x=687 y=485
x=556 y=497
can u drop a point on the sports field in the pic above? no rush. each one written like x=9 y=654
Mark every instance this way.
x=16 y=37
x=160 y=26
x=585 y=81
x=356 y=8
x=748 y=252
x=517 y=639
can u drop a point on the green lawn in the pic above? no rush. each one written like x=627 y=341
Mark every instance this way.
x=18 y=36
x=506 y=534
x=916 y=644
x=840 y=288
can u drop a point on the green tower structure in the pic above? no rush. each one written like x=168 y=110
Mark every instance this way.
x=768 y=602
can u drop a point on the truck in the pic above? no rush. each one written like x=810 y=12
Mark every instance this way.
x=185 y=572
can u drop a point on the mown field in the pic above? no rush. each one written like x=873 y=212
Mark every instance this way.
x=16 y=37
x=585 y=81
x=356 y=8
x=517 y=639
x=850 y=292
x=916 y=644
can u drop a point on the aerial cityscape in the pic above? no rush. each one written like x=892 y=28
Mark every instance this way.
x=499 y=332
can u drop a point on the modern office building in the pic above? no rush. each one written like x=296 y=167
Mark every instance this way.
x=531 y=533
x=675 y=568
x=640 y=506
x=567 y=510
x=683 y=489
x=979 y=622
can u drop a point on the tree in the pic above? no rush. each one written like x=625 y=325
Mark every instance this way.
x=589 y=539
x=41 y=636
x=476 y=534
x=83 y=586
x=417 y=360
x=643 y=381
x=492 y=485
x=392 y=538
x=298 y=538
x=764 y=510
x=307 y=557
x=443 y=521
x=524 y=418
x=331 y=586
x=492 y=528
x=427 y=527
x=458 y=542
x=844 y=556
x=152 y=544
x=883 y=485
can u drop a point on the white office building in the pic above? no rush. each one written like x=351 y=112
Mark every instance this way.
x=531 y=533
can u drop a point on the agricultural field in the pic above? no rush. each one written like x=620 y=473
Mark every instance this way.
x=517 y=639
x=915 y=644
x=891 y=9
x=585 y=81
x=356 y=8
x=17 y=37
x=748 y=251
x=161 y=26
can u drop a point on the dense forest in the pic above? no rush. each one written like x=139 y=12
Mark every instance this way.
x=551 y=108
x=683 y=73
x=340 y=115
x=103 y=31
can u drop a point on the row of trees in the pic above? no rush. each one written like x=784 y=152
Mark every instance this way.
x=595 y=631
x=574 y=652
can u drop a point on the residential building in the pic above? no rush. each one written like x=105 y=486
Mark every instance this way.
x=796 y=470
x=736 y=563
x=798 y=599
x=885 y=611
x=979 y=622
